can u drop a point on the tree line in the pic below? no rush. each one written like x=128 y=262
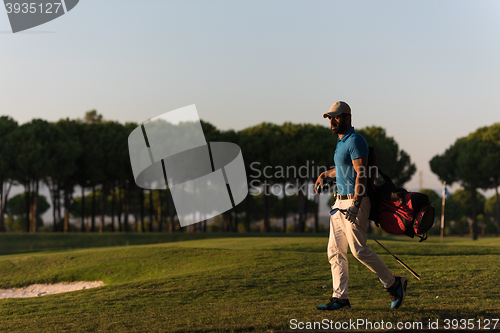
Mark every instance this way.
x=91 y=155
x=458 y=213
x=473 y=161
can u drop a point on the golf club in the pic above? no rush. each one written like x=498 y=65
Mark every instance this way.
x=343 y=211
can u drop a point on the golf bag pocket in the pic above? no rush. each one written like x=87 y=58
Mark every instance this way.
x=393 y=217
x=410 y=213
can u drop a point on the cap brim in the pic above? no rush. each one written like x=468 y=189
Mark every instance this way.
x=332 y=114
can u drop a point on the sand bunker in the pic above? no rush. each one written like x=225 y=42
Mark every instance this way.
x=46 y=289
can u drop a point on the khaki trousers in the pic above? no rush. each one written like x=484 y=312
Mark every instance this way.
x=344 y=233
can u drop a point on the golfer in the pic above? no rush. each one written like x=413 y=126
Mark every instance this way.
x=351 y=159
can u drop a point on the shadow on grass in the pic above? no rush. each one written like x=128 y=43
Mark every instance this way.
x=17 y=243
x=14 y=243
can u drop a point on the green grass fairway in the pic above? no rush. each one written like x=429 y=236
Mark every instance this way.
x=236 y=284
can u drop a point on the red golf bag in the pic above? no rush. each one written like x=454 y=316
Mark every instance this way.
x=396 y=210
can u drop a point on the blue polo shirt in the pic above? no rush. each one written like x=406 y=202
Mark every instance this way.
x=350 y=147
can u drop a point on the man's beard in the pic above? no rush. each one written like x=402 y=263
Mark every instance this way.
x=341 y=128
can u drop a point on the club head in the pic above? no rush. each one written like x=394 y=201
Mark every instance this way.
x=333 y=211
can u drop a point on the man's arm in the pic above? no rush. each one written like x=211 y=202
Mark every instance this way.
x=328 y=174
x=360 y=166
x=324 y=176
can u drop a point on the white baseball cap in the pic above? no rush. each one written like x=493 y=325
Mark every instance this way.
x=337 y=108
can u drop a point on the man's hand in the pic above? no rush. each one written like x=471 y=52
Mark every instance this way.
x=351 y=213
x=318 y=186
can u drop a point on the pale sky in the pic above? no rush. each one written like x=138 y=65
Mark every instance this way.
x=426 y=71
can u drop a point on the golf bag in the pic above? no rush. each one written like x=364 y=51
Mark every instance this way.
x=396 y=210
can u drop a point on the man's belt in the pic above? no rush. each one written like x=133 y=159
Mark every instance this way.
x=345 y=196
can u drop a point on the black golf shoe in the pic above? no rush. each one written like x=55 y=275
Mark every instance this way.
x=398 y=292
